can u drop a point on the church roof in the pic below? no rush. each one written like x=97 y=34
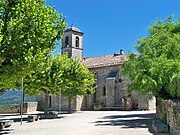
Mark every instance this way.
x=72 y=28
x=107 y=60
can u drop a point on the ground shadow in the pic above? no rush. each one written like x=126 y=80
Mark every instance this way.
x=149 y=116
x=6 y=131
x=50 y=118
x=129 y=121
x=25 y=119
x=5 y=115
x=15 y=119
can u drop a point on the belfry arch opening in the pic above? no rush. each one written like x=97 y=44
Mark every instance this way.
x=77 y=41
x=66 y=41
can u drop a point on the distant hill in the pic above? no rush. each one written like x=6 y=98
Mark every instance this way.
x=14 y=97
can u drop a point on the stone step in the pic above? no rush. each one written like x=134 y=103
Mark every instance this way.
x=117 y=108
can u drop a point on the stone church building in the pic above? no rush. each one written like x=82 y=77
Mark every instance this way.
x=111 y=87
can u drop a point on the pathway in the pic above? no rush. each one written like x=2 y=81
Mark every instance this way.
x=89 y=123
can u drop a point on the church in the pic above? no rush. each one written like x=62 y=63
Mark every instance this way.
x=111 y=87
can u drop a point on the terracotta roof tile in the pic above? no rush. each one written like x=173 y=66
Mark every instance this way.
x=107 y=60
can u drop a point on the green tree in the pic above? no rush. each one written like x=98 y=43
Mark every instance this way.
x=78 y=79
x=28 y=32
x=60 y=74
x=47 y=80
x=157 y=69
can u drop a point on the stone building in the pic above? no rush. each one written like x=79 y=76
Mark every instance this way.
x=111 y=91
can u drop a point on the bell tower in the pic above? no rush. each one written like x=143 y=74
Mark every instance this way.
x=72 y=42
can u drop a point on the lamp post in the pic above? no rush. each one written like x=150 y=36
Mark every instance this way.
x=21 y=100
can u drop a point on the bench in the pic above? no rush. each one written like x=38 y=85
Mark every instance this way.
x=5 y=123
x=32 y=118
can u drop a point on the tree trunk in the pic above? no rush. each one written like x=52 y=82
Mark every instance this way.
x=157 y=107
x=46 y=103
x=69 y=107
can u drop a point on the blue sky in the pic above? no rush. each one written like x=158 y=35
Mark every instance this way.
x=111 y=25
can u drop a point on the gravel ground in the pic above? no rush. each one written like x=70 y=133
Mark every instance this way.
x=89 y=123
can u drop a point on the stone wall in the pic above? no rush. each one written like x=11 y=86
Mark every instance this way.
x=87 y=103
x=169 y=112
x=27 y=108
x=60 y=103
x=30 y=106
x=65 y=104
x=111 y=87
x=13 y=109
x=111 y=94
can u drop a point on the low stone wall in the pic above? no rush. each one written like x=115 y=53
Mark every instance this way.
x=27 y=107
x=173 y=116
x=14 y=109
x=169 y=112
x=30 y=107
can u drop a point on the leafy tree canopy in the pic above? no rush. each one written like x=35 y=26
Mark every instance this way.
x=157 y=69
x=28 y=32
x=60 y=74
x=78 y=79
x=48 y=79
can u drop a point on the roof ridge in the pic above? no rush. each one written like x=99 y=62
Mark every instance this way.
x=101 y=56
x=106 y=60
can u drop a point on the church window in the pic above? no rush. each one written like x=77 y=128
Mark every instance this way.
x=66 y=41
x=104 y=91
x=77 y=41
x=50 y=101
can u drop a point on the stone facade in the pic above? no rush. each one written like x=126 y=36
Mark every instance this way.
x=169 y=112
x=60 y=103
x=111 y=91
x=112 y=94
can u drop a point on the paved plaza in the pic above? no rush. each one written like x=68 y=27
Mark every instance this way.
x=89 y=123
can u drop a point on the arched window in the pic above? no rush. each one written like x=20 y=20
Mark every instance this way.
x=104 y=91
x=77 y=41
x=66 y=41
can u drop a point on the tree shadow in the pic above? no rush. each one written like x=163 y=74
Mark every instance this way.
x=129 y=121
x=16 y=119
x=25 y=119
x=6 y=115
x=126 y=121
x=6 y=131
x=51 y=118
